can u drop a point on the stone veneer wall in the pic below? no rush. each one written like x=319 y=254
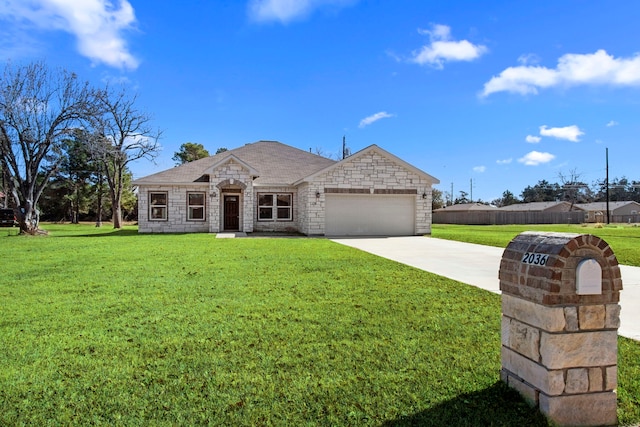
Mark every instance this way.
x=304 y=205
x=221 y=180
x=559 y=348
x=368 y=171
x=283 y=226
x=176 y=210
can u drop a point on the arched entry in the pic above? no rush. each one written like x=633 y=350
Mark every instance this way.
x=232 y=192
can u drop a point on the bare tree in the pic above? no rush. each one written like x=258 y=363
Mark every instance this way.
x=123 y=134
x=39 y=108
x=573 y=189
x=322 y=152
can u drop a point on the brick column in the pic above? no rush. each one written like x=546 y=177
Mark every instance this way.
x=559 y=343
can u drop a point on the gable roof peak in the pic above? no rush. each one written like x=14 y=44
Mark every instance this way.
x=363 y=152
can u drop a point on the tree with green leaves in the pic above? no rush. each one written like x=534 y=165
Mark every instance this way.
x=462 y=198
x=190 y=151
x=77 y=168
x=507 y=199
x=543 y=191
x=620 y=190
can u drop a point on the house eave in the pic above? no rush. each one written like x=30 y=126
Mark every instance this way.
x=169 y=183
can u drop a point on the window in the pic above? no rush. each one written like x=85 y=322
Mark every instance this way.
x=275 y=207
x=195 y=206
x=158 y=206
x=265 y=207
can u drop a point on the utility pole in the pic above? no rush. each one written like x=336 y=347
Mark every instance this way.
x=606 y=181
x=471 y=192
x=451 y=194
x=345 y=150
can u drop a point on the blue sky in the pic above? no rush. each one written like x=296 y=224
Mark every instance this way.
x=494 y=94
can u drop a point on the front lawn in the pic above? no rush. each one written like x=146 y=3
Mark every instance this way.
x=623 y=239
x=114 y=328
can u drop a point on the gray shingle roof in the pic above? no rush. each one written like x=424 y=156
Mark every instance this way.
x=602 y=206
x=466 y=207
x=274 y=162
x=534 y=206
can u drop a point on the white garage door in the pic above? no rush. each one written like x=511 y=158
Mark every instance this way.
x=369 y=215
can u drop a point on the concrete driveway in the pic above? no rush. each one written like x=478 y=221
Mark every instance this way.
x=478 y=265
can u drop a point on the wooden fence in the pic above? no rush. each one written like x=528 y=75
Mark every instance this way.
x=508 y=217
x=627 y=219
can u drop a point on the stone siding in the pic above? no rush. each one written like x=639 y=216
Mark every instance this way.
x=305 y=206
x=176 y=221
x=231 y=178
x=559 y=347
x=369 y=173
x=374 y=173
x=292 y=226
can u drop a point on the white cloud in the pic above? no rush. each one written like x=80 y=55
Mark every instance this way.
x=443 y=49
x=536 y=158
x=529 y=58
x=374 y=118
x=612 y=123
x=97 y=25
x=570 y=133
x=532 y=139
x=597 y=68
x=480 y=169
x=286 y=11
x=504 y=161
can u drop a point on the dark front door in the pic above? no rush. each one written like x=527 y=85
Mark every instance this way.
x=232 y=213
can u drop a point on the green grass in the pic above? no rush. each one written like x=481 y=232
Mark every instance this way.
x=114 y=328
x=623 y=240
x=625 y=243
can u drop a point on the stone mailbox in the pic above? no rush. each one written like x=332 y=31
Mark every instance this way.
x=560 y=319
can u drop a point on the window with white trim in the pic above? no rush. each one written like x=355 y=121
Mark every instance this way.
x=158 y=203
x=195 y=206
x=275 y=207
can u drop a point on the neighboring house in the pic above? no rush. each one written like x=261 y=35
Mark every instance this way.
x=541 y=213
x=464 y=213
x=466 y=207
x=618 y=211
x=520 y=213
x=541 y=207
x=270 y=186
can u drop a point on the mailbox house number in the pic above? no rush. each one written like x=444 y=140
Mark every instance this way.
x=535 y=259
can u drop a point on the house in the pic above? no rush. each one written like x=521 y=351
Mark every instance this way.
x=466 y=207
x=464 y=213
x=618 y=211
x=541 y=207
x=270 y=186
x=541 y=213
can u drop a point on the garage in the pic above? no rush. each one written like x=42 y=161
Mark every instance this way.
x=370 y=215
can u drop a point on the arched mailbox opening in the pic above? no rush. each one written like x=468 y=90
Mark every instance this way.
x=560 y=317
